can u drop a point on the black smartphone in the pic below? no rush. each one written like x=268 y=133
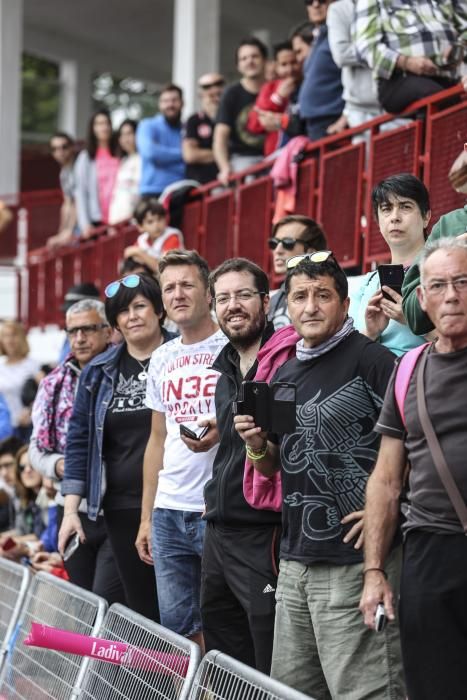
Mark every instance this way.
x=391 y=276
x=191 y=433
x=253 y=400
x=284 y=407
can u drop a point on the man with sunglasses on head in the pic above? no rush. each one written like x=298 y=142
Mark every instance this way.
x=240 y=547
x=62 y=148
x=291 y=235
x=320 y=646
x=198 y=132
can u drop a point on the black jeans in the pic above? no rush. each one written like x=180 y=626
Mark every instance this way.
x=238 y=585
x=433 y=615
x=139 y=582
x=93 y=565
x=402 y=89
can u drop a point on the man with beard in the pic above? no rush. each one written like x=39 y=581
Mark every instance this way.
x=159 y=142
x=239 y=570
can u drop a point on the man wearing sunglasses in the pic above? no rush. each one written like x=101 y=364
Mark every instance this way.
x=320 y=646
x=291 y=235
x=197 y=136
x=62 y=149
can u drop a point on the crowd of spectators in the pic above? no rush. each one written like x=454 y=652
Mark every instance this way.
x=187 y=508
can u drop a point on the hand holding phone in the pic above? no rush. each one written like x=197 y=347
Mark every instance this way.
x=186 y=432
x=71 y=546
x=380 y=618
x=391 y=276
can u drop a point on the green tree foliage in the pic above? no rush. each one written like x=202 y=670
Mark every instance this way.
x=40 y=98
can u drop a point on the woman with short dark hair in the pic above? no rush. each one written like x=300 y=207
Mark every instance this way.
x=109 y=430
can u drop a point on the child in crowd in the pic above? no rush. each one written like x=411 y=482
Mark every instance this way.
x=156 y=237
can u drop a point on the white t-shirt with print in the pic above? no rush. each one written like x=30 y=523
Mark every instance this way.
x=182 y=384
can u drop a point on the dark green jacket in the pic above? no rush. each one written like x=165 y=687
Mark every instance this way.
x=452 y=224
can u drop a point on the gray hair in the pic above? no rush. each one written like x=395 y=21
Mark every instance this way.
x=451 y=243
x=87 y=305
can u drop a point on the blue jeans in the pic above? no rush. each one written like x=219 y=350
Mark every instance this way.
x=177 y=547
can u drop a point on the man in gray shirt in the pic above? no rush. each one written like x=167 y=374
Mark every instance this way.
x=433 y=589
x=62 y=148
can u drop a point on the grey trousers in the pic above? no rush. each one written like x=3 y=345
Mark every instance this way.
x=321 y=646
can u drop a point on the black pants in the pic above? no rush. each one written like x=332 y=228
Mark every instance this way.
x=401 y=89
x=139 y=582
x=93 y=565
x=238 y=585
x=433 y=616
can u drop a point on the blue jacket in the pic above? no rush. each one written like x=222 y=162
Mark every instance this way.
x=321 y=90
x=160 y=147
x=6 y=429
x=84 y=467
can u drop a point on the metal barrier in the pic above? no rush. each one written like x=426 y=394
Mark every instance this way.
x=14 y=581
x=220 y=677
x=32 y=673
x=160 y=664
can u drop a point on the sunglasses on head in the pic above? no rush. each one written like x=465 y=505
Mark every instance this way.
x=319 y=256
x=216 y=83
x=287 y=242
x=130 y=281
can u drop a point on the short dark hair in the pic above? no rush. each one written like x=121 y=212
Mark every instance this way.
x=281 y=46
x=129 y=265
x=171 y=87
x=401 y=185
x=312 y=235
x=252 y=41
x=148 y=287
x=91 y=140
x=304 y=30
x=10 y=446
x=240 y=265
x=62 y=135
x=185 y=257
x=328 y=268
x=149 y=205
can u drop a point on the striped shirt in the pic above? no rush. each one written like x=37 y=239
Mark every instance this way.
x=386 y=29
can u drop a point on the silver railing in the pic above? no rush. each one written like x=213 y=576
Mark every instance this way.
x=14 y=582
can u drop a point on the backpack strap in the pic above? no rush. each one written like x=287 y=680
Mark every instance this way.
x=404 y=372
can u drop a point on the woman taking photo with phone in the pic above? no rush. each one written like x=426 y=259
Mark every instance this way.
x=109 y=430
x=401 y=205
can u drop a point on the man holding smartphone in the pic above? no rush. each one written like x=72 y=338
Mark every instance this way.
x=179 y=455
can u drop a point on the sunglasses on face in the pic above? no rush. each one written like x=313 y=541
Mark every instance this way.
x=217 y=83
x=85 y=330
x=319 y=256
x=130 y=281
x=288 y=243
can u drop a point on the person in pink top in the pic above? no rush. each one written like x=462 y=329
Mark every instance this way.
x=95 y=172
x=156 y=237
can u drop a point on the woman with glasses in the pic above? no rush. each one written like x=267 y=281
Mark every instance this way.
x=401 y=206
x=108 y=432
x=95 y=172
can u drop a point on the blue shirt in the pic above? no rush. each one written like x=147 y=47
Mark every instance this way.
x=160 y=146
x=397 y=337
x=321 y=90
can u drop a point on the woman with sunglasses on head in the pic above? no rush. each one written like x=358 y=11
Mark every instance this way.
x=291 y=236
x=109 y=430
x=95 y=172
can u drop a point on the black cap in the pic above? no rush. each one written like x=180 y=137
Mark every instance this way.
x=87 y=290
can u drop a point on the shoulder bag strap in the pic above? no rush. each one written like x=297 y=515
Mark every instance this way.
x=435 y=448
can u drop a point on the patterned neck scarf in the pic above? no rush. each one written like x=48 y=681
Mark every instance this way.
x=304 y=354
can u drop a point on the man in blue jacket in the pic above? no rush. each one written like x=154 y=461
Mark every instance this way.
x=159 y=142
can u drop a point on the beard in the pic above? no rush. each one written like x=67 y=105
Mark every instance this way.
x=173 y=119
x=248 y=334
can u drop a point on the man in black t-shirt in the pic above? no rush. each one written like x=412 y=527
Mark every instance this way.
x=197 y=136
x=320 y=647
x=235 y=148
x=433 y=593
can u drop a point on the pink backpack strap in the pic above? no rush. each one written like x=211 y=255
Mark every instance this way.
x=404 y=372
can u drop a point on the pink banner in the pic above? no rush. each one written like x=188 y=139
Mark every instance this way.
x=106 y=650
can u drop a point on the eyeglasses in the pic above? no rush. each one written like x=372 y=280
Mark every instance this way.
x=436 y=289
x=216 y=83
x=287 y=242
x=86 y=330
x=244 y=295
x=130 y=281
x=319 y=256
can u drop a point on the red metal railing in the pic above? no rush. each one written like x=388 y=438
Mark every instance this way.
x=334 y=186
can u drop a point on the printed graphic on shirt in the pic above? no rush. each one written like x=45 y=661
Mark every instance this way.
x=328 y=459
x=130 y=395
